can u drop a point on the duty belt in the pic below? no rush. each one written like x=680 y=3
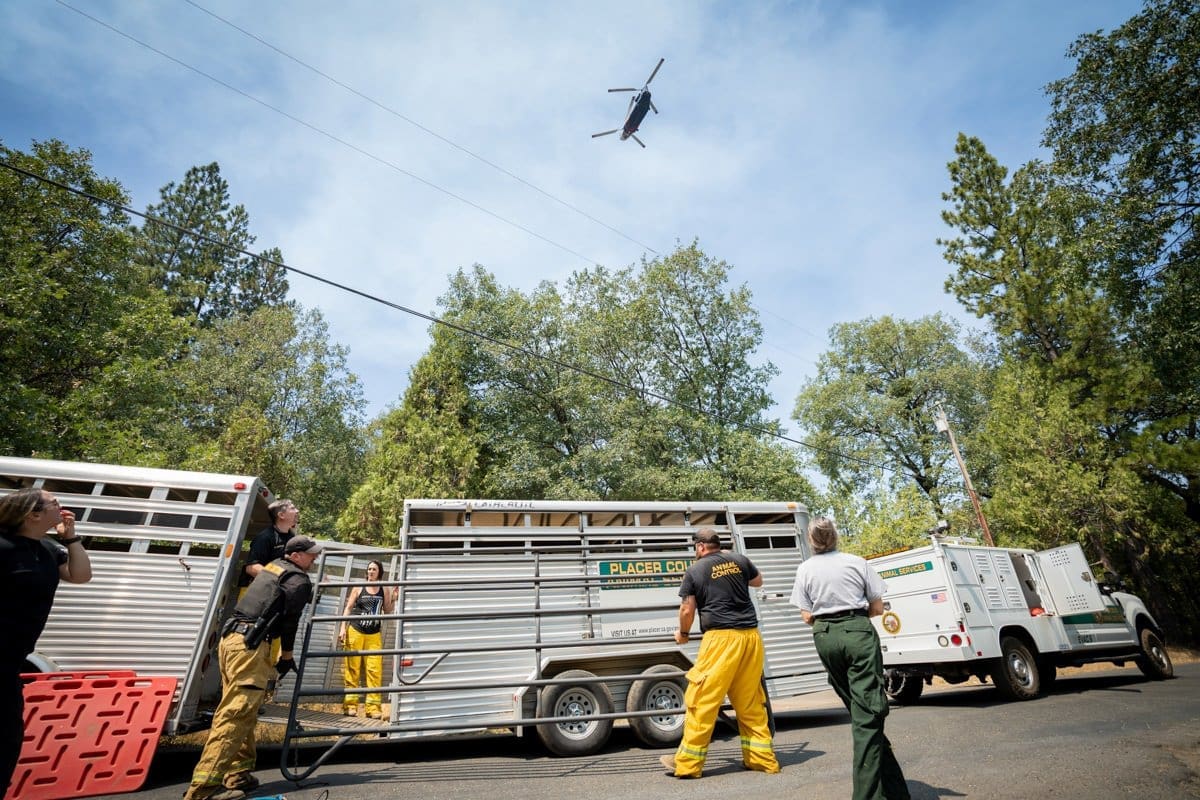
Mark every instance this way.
x=241 y=626
x=837 y=615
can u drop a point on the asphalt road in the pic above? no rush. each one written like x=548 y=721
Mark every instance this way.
x=1097 y=735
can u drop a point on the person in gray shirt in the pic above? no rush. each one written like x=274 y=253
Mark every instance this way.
x=837 y=593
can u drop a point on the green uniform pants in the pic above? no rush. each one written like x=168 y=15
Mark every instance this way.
x=363 y=670
x=229 y=750
x=849 y=649
x=730 y=662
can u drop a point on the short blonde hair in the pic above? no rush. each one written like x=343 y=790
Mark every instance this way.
x=823 y=535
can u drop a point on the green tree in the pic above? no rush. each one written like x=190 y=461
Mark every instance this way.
x=1124 y=127
x=876 y=519
x=83 y=341
x=671 y=405
x=873 y=403
x=266 y=394
x=428 y=447
x=200 y=266
x=1070 y=406
x=624 y=384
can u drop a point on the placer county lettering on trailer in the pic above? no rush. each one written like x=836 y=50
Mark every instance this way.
x=642 y=574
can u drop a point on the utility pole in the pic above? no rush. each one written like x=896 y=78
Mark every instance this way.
x=942 y=423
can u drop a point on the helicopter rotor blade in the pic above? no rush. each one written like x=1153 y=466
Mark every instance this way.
x=605 y=133
x=636 y=139
x=655 y=72
x=652 y=108
x=622 y=90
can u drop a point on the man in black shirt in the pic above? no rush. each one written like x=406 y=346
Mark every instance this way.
x=730 y=661
x=268 y=544
x=270 y=608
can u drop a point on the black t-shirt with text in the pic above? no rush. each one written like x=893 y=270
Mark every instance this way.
x=721 y=584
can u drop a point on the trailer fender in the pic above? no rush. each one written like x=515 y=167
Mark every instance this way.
x=36 y=662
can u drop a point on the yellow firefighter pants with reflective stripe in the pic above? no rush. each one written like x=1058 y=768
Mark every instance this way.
x=730 y=663
x=358 y=667
x=230 y=746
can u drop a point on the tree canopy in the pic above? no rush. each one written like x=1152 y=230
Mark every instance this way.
x=636 y=383
x=144 y=346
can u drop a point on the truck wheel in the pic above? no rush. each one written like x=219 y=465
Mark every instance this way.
x=584 y=698
x=1154 y=662
x=902 y=688
x=1016 y=674
x=655 y=693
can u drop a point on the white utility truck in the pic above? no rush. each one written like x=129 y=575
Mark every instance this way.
x=955 y=609
x=557 y=617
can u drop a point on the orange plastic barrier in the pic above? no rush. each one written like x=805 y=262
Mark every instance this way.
x=89 y=733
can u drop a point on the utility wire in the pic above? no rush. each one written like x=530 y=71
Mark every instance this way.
x=625 y=387
x=418 y=125
x=390 y=164
x=384 y=107
x=329 y=135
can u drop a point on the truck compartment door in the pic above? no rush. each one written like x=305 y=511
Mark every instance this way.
x=1069 y=580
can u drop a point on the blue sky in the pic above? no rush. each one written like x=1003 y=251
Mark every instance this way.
x=804 y=143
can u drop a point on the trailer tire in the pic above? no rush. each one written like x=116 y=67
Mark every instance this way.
x=1154 y=662
x=655 y=693
x=1016 y=673
x=901 y=688
x=584 y=698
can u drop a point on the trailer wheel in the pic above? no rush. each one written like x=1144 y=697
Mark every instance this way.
x=585 y=698
x=902 y=688
x=1016 y=674
x=654 y=693
x=1154 y=662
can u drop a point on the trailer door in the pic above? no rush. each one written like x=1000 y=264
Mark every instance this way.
x=773 y=542
x=1068 y=580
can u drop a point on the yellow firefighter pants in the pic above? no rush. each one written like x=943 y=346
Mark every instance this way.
x=230 y=747
x=730 y=663
x=359 y=667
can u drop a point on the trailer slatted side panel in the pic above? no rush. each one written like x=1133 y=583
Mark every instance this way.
x=791 y=658
x=511 y=637
x=165 y=547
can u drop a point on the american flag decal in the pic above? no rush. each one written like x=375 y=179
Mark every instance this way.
x=938 y=597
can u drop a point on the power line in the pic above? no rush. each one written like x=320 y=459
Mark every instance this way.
x=414 y=123
x=329 y=135
x=390 y=164
x=393 y=166
x=436 y=320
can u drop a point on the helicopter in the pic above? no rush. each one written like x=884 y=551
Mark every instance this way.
x=639 y=104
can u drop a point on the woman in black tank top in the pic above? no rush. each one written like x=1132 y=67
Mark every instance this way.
x=365 y=632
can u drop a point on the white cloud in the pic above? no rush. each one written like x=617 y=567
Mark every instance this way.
x=803 y=143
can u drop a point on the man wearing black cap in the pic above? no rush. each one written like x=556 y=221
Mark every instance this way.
x=270 y=609
x=730 y=661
